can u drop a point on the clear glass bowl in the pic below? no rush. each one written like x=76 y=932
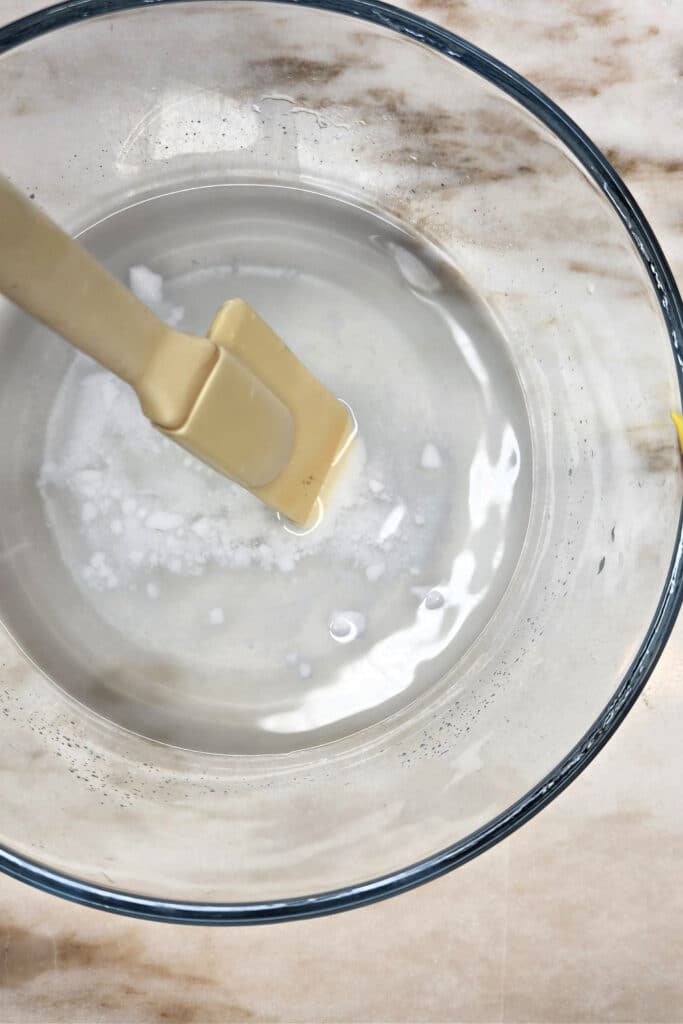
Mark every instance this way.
x=102 y=103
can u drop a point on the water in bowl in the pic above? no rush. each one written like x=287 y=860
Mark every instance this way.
x=172 y=603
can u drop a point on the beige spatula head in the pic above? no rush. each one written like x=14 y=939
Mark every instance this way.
x=239 y=400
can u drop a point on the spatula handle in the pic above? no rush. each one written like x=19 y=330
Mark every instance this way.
x=54 y=279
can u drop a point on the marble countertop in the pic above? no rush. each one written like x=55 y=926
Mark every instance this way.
x=576 y=917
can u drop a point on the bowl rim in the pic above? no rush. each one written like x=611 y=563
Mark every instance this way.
x=419 y=29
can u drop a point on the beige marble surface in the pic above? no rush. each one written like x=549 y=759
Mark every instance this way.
x=578 y=916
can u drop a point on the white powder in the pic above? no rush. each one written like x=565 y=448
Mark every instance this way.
x=136 y=504
x=143 y=506
x=146 y=285
x=98 y=572
x=149 y=288
x=163 y=520
x=216 y=616
x=431 y=457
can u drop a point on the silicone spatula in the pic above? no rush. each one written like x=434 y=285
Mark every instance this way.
x=238 y=399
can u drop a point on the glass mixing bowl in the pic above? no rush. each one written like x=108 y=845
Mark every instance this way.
x=102 y=103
